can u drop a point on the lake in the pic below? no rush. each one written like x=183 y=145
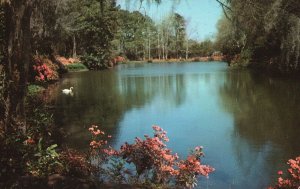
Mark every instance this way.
x=248 y=123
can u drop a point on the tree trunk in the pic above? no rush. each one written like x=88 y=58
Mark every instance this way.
x=149 y=49
x=149 y=46
x=167 y=47
x=145 y=50
x=187 y=50
x=163 y=45
x=74 y=47
x=158 y=46
x=17 y=60
x=176 y=44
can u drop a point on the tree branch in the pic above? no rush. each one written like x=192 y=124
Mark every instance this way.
x=224 y=5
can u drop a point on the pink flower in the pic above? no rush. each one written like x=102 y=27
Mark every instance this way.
x=97 y=132
x=110 y=151
x=198 y=148
x=156 y=128
x=168 y=157
x=94 y=144
x=42 y=77
x=279 y=172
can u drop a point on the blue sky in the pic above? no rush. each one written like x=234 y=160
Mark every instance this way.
x=201 y=15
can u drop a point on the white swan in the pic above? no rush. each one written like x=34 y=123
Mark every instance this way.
x=68 y=91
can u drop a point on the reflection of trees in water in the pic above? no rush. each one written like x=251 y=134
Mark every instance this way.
x=141 y=90
x=103 y=97
x=266 y=116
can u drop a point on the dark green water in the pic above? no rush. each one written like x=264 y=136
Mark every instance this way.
x=248 y=124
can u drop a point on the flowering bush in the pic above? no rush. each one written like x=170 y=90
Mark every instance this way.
x=150 y=160
x=98 y=144
x=292 y=180
x=75 y=164
x=44 y=69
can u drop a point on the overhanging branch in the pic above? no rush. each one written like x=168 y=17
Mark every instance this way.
x=224 y=7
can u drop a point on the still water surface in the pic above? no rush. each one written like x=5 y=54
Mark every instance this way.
x=248 y=124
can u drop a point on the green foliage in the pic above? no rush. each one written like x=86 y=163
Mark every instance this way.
x=133 y=33
x=117 y=170
x=178 y=23
x=227 y=40
x=94 y=62
x=45 y=28
x=76 y=67
x=269 y=30
x=34 y=89
x=41 y=121
x=13 y=156
x=95 y=30
x=201 y=49
x=46 y=161
x=139 y=37
x=72 y=27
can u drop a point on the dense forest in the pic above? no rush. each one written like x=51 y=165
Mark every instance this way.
x=35 y=34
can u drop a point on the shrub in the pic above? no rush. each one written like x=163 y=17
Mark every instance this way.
x=34 y=90
x=292 y=178
x=95 y=62
x=45 y=161
x=148 y=161
x=13 y=156
x=75 y=164
x=44 y=69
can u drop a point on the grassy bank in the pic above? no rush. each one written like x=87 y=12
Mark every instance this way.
x=76 y=67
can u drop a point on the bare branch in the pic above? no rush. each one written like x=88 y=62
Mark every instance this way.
x=224 y=5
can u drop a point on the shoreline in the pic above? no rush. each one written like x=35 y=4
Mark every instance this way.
x=176 y=60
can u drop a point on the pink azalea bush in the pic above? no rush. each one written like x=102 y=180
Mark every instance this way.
x=149 y=160
x=292 y=178
x=44 y=69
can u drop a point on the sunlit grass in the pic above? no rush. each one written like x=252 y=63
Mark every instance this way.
x=76 y=67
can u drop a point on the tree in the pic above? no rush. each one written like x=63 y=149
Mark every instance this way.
x=188 y=40
x=172 y=35
x=266 y=33
x=164 y=28
x=178 y=23
x=134 y=32
x=227 y=39
x=17 y=58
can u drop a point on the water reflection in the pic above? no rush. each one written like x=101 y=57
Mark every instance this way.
x=266 y=123
x=247 y=123
x=103 y=97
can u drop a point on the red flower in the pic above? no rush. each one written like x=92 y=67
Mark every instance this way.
x=29 y=141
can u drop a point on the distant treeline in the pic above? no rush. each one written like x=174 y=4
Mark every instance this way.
x=140 y=38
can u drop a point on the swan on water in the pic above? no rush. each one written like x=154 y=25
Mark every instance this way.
x=68 y=91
